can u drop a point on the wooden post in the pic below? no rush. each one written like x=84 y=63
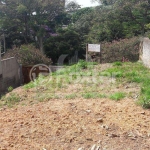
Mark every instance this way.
x=100 y=56
x=86 y=52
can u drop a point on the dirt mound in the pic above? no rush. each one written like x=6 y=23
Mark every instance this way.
x=75 y=124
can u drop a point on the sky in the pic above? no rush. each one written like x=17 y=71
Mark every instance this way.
x=86 y=3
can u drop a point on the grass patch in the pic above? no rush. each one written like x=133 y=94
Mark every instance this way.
x=117 y=63
x=132 y=72
x=117 y=96
x=113 y=72
x=87 y=75
x=63 y=77
x=11 y=99
x=93 y=95
x=71 y=96
x=46 y=97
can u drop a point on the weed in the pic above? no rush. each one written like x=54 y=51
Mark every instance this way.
x=10 y=89
x=137 y=79
x=117 y=96
x=113 y=72
x=60 y=85
x=117 y=63
x=93 y=95
x=11 y=100
x=41 y=80
x=82 y=64
x=144 y=102
x=41 y=97
x=83 y=73
x=71 y=96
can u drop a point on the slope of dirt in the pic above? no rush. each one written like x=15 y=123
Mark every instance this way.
x=75 y=124
x=58 y=123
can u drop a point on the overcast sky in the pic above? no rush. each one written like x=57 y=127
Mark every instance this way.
x=86 y=3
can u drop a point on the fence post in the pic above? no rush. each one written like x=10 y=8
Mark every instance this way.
x=86 y=52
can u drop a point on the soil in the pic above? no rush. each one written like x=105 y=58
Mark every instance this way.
x=76 y=124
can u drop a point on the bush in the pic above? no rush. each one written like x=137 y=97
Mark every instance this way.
x=127 y=48
x=121 y=50
x=28 y=55
x=82 y=64
x=117 y=63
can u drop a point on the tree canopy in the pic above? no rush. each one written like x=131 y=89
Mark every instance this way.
x=23 y=20
x=58 y=29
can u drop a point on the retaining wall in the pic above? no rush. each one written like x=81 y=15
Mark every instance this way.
x=11 y=74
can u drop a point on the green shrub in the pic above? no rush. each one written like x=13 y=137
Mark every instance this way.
x=117 y=96
x=115 y=51
x=10 y=89
x=28 y=55
x=11 y=100
x=82 y=64
x=117 y=63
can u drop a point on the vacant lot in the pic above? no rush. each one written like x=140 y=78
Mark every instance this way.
x=84 y=106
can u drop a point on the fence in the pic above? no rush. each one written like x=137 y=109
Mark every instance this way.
x=11 y=74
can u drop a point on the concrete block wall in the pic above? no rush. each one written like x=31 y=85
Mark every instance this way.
x=145 y=52
x=11 y=74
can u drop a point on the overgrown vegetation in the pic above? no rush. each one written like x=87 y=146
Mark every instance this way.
x=133 y=72
x=28 y=55
x=90 y=81
x=120 y=50
x=68 y=31
x=10 y=100
x=122 y=73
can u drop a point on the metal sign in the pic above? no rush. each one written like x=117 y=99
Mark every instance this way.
x=94 y=48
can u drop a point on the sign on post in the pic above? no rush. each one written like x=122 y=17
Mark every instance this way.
x=93 y=48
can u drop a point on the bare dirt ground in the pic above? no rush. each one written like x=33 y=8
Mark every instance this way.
x=76 y=124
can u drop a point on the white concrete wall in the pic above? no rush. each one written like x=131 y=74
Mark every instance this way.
x=145 y=52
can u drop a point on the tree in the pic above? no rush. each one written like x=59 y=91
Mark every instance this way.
x=23 y=17
x=135 y=14
x=105 y=2
x=72 y=6
x=67 y=42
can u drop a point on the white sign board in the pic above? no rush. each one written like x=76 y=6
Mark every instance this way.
x=93 y=47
